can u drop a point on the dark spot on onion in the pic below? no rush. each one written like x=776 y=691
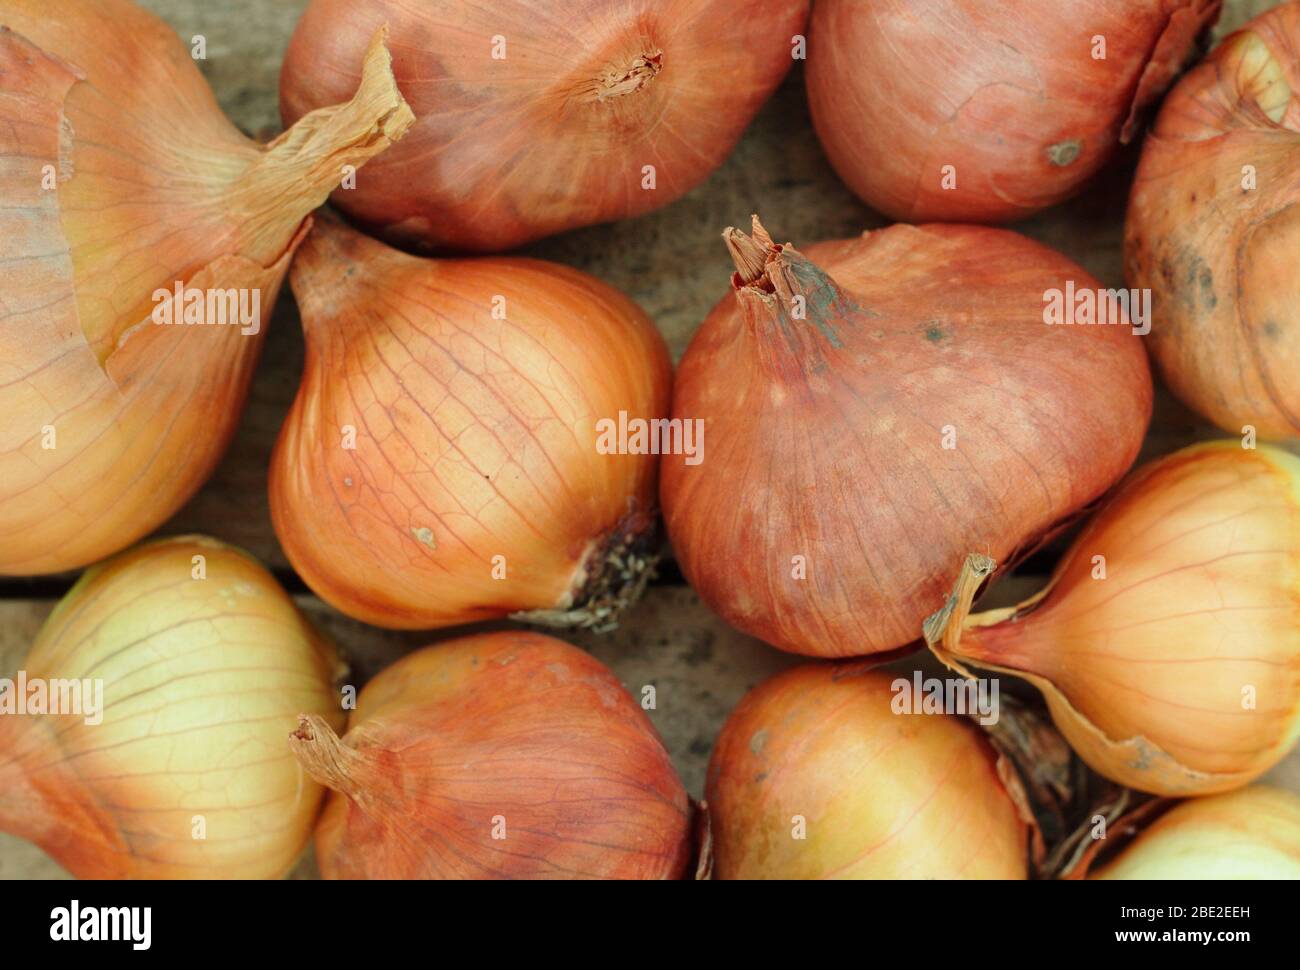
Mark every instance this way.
x=1064 y=153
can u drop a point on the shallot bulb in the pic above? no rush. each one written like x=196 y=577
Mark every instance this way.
x=122 y=184
x=1167 y=644
x=876 y=408
x=953 y=110
x=533 y=118
x=143 y=737
x=1214 y=228
x=816 y=777
x=498 y=756
x=448 y=457
x=1253 y=833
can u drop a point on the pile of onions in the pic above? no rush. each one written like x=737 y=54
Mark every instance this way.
x=815 y=777
x=1167 y=644
x=122 y=178
x=986 y=112
x=1253 y=833
x=533 y=120
x=442 y=462
x=183 y=772
x=877 y=408
x=1214 y=227
x=498 y=756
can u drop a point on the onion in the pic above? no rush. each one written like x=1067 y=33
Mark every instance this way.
x=533 y=120
x=815 y=777
x=1214 y=226
x=183 y=664
x=985 y=112
x=1253 y=833
x=121 y=179
x=498 y=756
x=442 y=461
x=1167 y=644
x=919 y=408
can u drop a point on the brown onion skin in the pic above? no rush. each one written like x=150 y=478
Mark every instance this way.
x=121 y=176
x=883 y=795
x=475 y=436
x=505 y=151
x=831 y=448
x=510 y=724
x=1220 y=258
x=1008 y=93
x=1144 y=666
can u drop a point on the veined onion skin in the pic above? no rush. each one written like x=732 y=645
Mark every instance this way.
x=119 y=177
x=921 y=408
x=1253 y=833
x=1011 y=95
x=498 y=756
x=475 y=487
x=1178 y=673
x=534 y=119
x=1213 y=230
x=188 y=775
x=880 y=795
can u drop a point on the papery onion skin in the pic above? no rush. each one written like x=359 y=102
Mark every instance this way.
x=1179 y=672
x=475 y=488
x=506 y=755
x=881 y=795
x=1213 y=230
x=1008 y=93
x=1253 y=833
x=120 y=176
x=557 y=133
x=826 y=435
x=202 y=678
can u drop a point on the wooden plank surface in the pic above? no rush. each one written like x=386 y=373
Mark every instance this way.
x=672 y=262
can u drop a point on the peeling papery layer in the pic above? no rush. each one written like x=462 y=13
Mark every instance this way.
x=1167 y=644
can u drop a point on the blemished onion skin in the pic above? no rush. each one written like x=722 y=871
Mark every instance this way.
x=1213 y=230
x=1253 y=833
x=881 y=795
x=506 y=755
x=476 y=487
x=201 y=680
x=1178 y=671
x=827 y=435
x=1009 y=94
x=119 y=177
x=556 y=133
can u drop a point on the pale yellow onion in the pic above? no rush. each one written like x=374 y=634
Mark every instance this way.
x=1252 y=833
x=203 y=679
x=815 y=775
x=1178 y=671
x=120 y=176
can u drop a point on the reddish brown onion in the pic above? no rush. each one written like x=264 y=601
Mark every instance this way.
x=1012 y=95
x=922 y=408
x=499 y=756
x=1214 y=228
x=533 y=119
